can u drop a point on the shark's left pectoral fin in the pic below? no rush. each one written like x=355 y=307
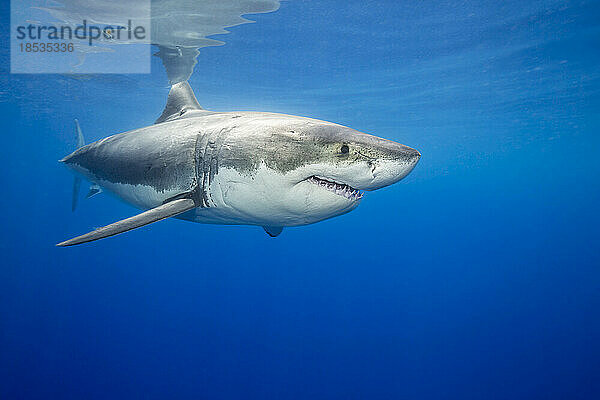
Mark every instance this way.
x=167 y=210
x=273 y=231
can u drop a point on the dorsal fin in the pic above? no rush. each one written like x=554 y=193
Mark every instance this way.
x=181 y=99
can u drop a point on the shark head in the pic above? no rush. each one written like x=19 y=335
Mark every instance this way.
x=353 y=159
x=304 y=170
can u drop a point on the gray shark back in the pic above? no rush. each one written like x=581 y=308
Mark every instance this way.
x=142 y=162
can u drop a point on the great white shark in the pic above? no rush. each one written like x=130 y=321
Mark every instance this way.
x=244 y=168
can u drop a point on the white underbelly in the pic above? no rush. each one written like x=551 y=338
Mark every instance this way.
x=140 y=196
x=265 y=198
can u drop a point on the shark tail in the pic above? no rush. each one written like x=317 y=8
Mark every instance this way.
x=77 y=179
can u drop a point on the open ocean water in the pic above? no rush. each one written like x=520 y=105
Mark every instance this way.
x=475 y=277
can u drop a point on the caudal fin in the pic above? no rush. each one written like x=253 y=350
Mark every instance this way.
x=79 y=135
x=77 y=179
x=75 y=195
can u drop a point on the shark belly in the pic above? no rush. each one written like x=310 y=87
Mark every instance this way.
x=237 y=198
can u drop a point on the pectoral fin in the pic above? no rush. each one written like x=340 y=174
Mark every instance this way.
x=273 y=230
x=167 y=210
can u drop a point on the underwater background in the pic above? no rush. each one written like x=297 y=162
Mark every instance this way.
x=476 y=277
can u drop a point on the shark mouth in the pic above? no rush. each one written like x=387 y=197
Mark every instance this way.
x=338 y=188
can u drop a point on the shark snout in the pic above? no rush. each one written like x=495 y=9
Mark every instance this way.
x=414 y=156
x=399 y=160
x=409 y=153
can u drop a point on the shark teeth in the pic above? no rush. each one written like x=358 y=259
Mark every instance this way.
x=338 y=188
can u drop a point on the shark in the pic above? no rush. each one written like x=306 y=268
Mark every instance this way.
x=236 y=168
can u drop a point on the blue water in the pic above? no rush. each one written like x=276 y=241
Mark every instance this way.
x=476 y=277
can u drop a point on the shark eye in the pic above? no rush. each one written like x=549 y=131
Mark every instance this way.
x=344 y=149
